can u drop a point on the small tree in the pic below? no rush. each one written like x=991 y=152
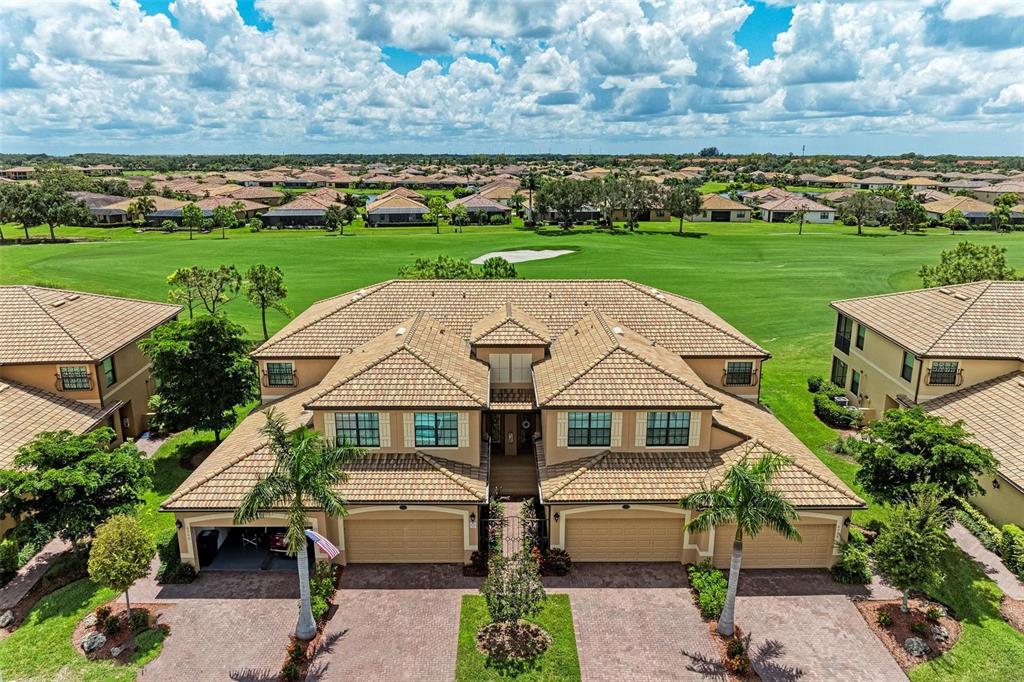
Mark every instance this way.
x=168 y=225
x=683 y=201
x=999 y=216
x=965 y=263
x=797 y=218
x=910 y=447
x=333 y=219
x=204 y=370
x=214 y=286
x=746 y=497
x=184 y=284
x=907 y=553
x=140 y=208
x=443 y=267
x=224 y=217
x=121 y=553
x=264 y=287
x=66 y=484
x=191 y=218
x=459 y=215
x=955 y=220
x=498 y=268
x=438 y=211
x=513 y=589
x=907 y=212
x=862 y=207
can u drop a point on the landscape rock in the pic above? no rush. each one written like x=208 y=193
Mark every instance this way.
x=117 y=651
x=93 y=641
x=916 y=646
x=6 y=619
x=940 y=633
x=89 y=621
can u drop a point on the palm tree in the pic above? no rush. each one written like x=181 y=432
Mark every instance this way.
x=307 y=471
x=744 y=497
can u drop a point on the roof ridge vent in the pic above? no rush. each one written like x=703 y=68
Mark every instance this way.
x=74 y=297
x=947 y=292
x=961 y=297
x=617 y=331
x=400 y=331
x=57 y=304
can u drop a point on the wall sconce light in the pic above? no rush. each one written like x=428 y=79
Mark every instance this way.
x=472 y=519
x=625 y=506
x=403 y=507
x=177 y=523
x=557 y=517
x=995 y=483
x=846 y=521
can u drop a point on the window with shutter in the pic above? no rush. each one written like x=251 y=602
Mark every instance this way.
x=521 y=363
x=499 y=368
x=384 y=418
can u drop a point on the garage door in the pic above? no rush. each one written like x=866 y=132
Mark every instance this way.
x=398 y=541
x=771 y=550
x=640 y=539
x=719 y=216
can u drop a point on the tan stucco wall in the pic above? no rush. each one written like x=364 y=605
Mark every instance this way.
x=555 y=454
x=44 y=376
x=1003 y=505
x=974 y=372
x=712 y=372
x=134 y=386
x=470 y=454
x=308 y=372
x=734 y=216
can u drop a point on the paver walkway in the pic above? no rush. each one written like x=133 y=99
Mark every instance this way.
x=224 y=626
x=636 y=623
x=30 y=574
x=803 y=626
x=394 y=623
x=991 y=563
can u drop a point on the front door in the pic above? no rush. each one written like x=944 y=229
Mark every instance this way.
x=496 y=430
x=528 y=425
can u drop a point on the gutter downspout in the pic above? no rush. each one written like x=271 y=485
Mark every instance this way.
x=920 y=373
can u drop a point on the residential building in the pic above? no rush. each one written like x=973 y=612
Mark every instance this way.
x=993 y=192
x=718 y=209
x=606 y=400
x=18 y=173
x=957 y=351
x=476 y=204
x=780 y=210
x=307 y=210
x=396 y=209
x=976 y=212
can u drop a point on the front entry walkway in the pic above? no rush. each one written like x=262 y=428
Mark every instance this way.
x=395 y=623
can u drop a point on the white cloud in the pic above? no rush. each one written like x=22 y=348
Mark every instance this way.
x=99 y=74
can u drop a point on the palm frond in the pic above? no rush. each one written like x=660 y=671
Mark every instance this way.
x=266 y=495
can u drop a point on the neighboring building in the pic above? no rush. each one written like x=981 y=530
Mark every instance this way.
x=263 y=195
x=976 y=212
x=873 y=182
x=993 y=192
x=119 y=212
x=476 y=204
x=766 y=195
x=18 y=173
x=957 y=351
x=97 y=203
x=501 y=191
x=244 y=209
x=395 y=209
x=778 y=211
x=402 y=192
x=307 y=210
x=718 y=209
x=656 y=214
x=606 y=400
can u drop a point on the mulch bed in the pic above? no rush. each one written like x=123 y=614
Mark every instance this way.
x=520 y=641
x=125 y=637
x=896 y=634
x=1013 y=612
x=721 y=645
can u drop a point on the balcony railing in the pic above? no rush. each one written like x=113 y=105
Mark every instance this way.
x=745 y=378
x=843 y=343
x=945 y=377
x=275 y=379
x=74 y=382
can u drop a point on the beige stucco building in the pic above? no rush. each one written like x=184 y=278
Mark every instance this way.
x=958 y=351
x=606 y=400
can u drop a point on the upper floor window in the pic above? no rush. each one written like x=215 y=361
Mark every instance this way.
x=357 y=428
x=838 y=372
x=668 y=428
x=514 y=368
x=945 y=373
x=844 y=330
x=437 y=429
x=739 y=373
x=907 y=370
x=861 y=333
x=280 y=374
x=109 y=373
x=75 y=379
x=590 y=429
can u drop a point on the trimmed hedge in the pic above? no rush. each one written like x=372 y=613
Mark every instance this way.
x=1012 y=549
x=826 y=409
x=971 y=518
x=711 y=586
x=854 y=566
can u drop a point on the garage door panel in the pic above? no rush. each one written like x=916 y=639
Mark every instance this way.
x=641 y=539
x=771 y=550
x=404 y=540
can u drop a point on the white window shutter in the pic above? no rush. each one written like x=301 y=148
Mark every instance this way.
x=384 y=426
x=616 y=429
x=641 y=430
x=409 y=422
x=563 y=429
x=694 y=429
x=463 y=429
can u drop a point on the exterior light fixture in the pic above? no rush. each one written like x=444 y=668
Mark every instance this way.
x=557 y=517
x=846 y=521
x=472 y=519
x=177 y=523
x=995 y=483
x=625 y=506
x=403 y=507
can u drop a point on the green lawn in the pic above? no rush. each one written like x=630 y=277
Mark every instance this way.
x=771 y=283
x=560 y=663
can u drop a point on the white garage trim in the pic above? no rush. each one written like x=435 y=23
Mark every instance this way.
x=664 y=510
x=468 y=537
x=188 y=523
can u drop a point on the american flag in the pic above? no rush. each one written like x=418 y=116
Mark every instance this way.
x=323 y=543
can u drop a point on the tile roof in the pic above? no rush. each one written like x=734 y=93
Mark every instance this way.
x=512 y=399
x=976 y=320
x=966 y=205
x=256 y=193
x=396 y=203
x=716 y=202
x=417 y=364
x=26 y=411
x=598 y=362
x=39 y=324
x=509 y=325
x=334 y=326
x=993 y=412
x=477 y=202
x=317 y=200
x=795 y=204
x=667 y=476
x=224 y=478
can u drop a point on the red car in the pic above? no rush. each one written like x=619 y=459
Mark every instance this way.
x=277 y=542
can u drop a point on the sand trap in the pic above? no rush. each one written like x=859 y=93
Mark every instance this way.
x=521 y=256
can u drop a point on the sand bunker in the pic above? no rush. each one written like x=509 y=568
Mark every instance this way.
x=521 y=256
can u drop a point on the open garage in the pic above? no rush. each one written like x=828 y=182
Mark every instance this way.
x=244 y=549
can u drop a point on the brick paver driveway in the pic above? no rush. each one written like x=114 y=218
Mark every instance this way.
x=636 y=622
x=394 y=623
x=224 y=626
x=803 y=626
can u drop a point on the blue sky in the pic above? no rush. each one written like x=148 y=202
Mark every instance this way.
x=845 y=76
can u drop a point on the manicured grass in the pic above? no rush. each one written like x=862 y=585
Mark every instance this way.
x=560 y=663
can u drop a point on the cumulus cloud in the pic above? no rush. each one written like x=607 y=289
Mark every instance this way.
x=105 y=74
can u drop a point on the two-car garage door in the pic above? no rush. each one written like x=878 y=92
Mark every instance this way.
x=626 y=539
x=771 y=550
x=438 y=539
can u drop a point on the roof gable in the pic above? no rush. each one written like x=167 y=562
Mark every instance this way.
x=509 y=325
